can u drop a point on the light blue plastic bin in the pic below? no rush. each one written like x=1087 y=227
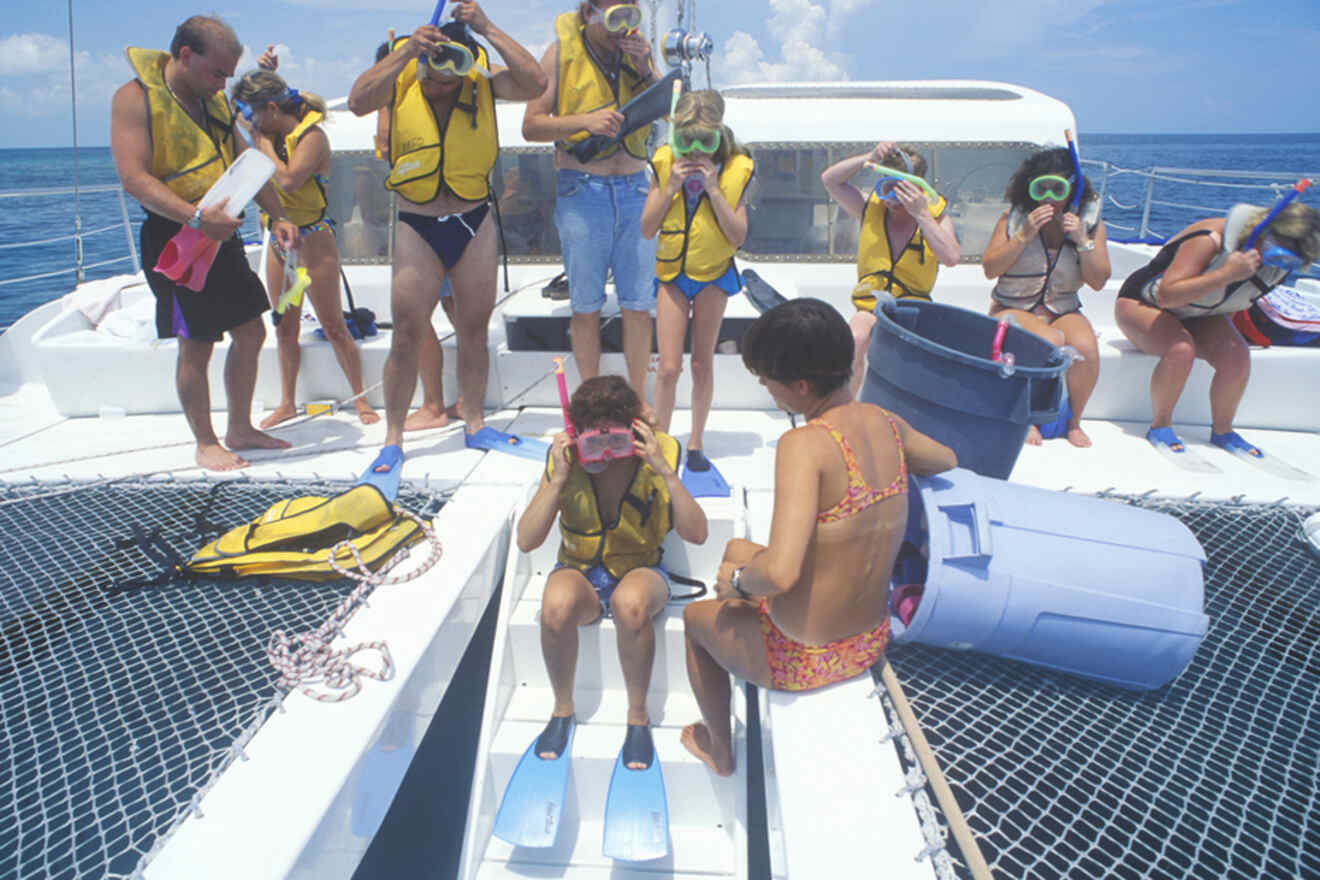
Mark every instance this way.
x=1083 y=585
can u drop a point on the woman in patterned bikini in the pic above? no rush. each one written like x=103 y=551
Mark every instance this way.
x=811 y=608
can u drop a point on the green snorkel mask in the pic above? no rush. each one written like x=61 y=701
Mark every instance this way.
x=1049 y=186
x=704 y=140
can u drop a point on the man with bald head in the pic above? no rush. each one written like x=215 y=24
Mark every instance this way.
x=172 y=136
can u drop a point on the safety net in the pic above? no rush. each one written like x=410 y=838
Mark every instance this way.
x=1215 y=775
x=124 y=694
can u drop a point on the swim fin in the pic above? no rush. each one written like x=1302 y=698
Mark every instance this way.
x=490 y=439
x=180 y=252
x=533 y=801
x=703 y=482
x=386 y=481
x=194 y=277
x=636 y=809
x=1058 y=427
x=293 y=294
x=759 y=292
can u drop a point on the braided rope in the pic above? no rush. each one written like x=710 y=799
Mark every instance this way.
x=307 y=662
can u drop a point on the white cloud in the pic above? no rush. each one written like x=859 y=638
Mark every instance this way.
x=801 y=30
x=23 y=54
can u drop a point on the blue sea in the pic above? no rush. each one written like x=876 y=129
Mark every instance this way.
x=38 y=219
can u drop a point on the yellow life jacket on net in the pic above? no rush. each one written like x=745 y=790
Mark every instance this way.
x=645 y=518
x=696 y=245
x=461 y=156
x=583 y=86
x=305 y=205
x=184 y=156
x=294 y=537
x=910 y=275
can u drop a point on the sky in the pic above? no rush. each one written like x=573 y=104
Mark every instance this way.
x=1143 y=66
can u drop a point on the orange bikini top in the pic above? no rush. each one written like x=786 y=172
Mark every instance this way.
x=859 y=495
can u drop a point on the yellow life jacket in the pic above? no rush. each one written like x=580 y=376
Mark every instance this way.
x=461 y=156
x=584 y=88
x=695 y=245
x=305 y=205
x=294 y=537
x=910 y=276
x=644 y=519
x=184 y=157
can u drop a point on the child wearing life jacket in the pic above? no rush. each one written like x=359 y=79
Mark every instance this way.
x=906 y=234
x=613 y=484
x=697 y=206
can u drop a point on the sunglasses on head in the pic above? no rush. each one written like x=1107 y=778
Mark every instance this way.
x=452 y=58
x=1049 y=186
x=705 y=140
x=605 y=444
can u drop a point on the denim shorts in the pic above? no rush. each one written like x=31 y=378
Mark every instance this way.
x=605 y=583
x=600 y=228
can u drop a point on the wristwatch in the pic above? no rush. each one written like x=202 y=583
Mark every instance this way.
x=736 y=582
x=195 y=221
x=1086 y=247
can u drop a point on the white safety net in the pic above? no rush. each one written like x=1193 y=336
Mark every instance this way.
x=119 y=704
x=1216 y=775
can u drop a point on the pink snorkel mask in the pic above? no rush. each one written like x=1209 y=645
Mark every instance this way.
x=598 y=444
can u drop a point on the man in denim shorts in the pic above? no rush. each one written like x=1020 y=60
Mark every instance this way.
x=597 y=63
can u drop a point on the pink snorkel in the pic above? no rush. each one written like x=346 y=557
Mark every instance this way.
x=562 y=381
x=1007 y=362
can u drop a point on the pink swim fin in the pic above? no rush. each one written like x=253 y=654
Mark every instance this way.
x=180 y=252
x=195 y=276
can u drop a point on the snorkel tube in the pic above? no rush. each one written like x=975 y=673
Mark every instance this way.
x=562 y=382
x=919 y=182
x=1077 y=169
x=1299 y=187
x=435 y=16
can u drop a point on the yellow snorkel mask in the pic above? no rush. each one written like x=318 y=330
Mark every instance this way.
x=697 y=138
x=621 y=18
x=453 y=59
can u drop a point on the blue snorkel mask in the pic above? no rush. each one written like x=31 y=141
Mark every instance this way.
x=246 y=109
x=1280 y=257
x=886 y=187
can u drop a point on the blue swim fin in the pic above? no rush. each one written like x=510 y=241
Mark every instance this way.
x=636 y=809
x=498 y=441
x=533 y=802
x=1058 y=427
x=705 y=482
x=386 y=481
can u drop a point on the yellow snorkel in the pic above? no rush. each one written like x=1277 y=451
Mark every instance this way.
x=890 y=174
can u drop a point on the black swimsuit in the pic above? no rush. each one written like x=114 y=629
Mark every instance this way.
x=449 y=235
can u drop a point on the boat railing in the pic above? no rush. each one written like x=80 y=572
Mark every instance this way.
x=78 y=236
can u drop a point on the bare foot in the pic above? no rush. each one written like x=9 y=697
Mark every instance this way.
x=251 y=438
x=366 y=415
x=1077 y=437
x=282 y=413
x=215 y=457
x=1033 y=436
x=426 y=417
x=696 y=739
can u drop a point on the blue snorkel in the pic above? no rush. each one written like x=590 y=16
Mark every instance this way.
x=1077 y=169
x=435 y=16
x=1299 y=187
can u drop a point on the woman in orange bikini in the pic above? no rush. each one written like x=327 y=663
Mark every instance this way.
x=811 y=608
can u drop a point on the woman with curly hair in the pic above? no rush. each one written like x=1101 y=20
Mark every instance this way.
x=1048 y=244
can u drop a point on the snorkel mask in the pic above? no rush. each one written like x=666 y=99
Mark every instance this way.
x=1275 y=254
x=1049 y=187
x=698 y=138
x=621 y=18
x=451 y=58
x=885 y=187
x=248 y=112
x=599 y=444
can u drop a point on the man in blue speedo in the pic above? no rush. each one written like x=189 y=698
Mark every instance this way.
x=598 y=62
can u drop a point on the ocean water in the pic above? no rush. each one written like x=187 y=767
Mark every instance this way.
x=29 y=219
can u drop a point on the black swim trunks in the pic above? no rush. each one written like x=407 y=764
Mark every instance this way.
x=449 y=235
x=232 y=295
